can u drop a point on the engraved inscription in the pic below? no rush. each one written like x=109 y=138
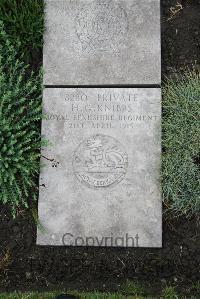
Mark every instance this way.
x=100 y=161
x=101 y=25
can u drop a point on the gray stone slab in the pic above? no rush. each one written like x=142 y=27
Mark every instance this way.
x=97 y=42
x=100 y=175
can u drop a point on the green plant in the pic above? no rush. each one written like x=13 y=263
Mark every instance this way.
x=20 y=113
x=196 y=286
x=82 y=295
x=132 y=288
x=79 y=295
x=24 y=22
x=169 y=293
x=181 y=144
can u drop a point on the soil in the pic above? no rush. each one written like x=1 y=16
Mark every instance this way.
x=25 y=266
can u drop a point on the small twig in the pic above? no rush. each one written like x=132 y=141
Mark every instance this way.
x=51 y=160
x=124 y=266
x=5 y=261
x=174 y=10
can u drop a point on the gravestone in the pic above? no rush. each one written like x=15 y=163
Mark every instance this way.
x=100 y=173
x=99 y=183
x=102 y=42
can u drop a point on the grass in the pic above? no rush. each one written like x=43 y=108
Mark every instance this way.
x=20 y=140
x=52 y=296
x=90 y=296
x=24 y=22
x=132 y=288
x=196 y=287
x=181 y=144
x=169 y=293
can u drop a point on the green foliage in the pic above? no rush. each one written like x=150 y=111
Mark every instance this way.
x=79 y=295
x=181 y=144
x=132 y=288
x=166 y=295
x=104 y=296
x=24 y=22
x=169 y=293
x=196 y=287
x=20 y=112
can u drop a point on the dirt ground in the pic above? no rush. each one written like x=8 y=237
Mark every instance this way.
x=25 y=266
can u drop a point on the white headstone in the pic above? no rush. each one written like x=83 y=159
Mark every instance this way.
x=99 y=183
x=102 y=42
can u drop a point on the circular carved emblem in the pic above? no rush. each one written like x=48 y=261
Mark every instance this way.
x=100 y=161
x=101 y=25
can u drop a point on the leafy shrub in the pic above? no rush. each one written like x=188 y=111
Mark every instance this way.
x=20 y=112
x=23 y=21
x=181 y=144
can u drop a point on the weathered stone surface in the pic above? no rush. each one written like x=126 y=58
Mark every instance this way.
x=95 y=42
x=100 y=173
